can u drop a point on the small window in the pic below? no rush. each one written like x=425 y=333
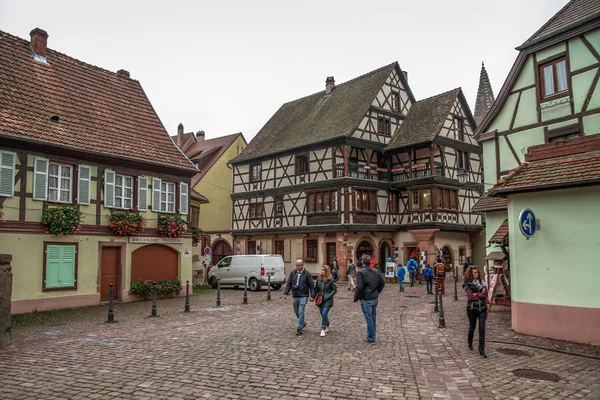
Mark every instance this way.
x=311 y=202
x=256 y=211
x=167 y=197
x=255 y=173
x=460 y=159
x=458 y=129
x=279 y=247
x=312 y=254
x=467 y=163
x=123 y=191
x=302 y=166
x=60 y=267
x=453 y=200
x=326 y=201
x=415 y=203
x=426 y=199
x=446 y=198
x=366 y=200
x=393 y=203
x=383 y=126
x=553 y=77
x=194 y=216
x=395 y=102
x=278 y=206
x=251 y=247
x=60 y=182
x=319 y=197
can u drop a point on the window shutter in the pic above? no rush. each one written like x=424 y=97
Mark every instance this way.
x=156 y=183
x=7 y=173
x=40 y=178
x=109 y=188
x=52 y=266
x=142 y=193
x=183 y=198
x=83 y=186
x=66 y=273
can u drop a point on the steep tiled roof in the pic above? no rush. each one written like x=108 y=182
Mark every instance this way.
x=318 y=117
x=99 y=111
x=501 y=234
x=571 y=15
x=198 y=196
x=487 y=204
x=424 y=120
x=552 y=174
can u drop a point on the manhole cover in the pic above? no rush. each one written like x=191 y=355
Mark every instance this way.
x=535 y=374
x=414 y=297
x=513 y=352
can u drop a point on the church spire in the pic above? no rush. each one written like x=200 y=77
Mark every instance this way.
x=485 y=96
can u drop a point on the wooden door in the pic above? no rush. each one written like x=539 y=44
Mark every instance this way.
x=154 y=262
x=110 y=272
x=330 y=254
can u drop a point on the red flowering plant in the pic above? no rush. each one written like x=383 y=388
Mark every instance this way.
x=62 y=220
x=196 y=236
x=172 y=225
x=127 y=222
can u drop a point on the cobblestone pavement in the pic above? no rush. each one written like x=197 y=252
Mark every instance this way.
x=251 y=351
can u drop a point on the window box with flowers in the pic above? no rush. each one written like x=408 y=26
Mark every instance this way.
x=171 y=225
x=164 y=288
x=62 y=220
x=196 y=236
x=127 y=223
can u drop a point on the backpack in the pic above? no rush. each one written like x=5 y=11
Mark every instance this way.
x=440 y=269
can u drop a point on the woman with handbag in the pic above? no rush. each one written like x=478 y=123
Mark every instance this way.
x=326 y=289
x=477 y=291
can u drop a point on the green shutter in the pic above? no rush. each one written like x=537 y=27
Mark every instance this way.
x=60 y=266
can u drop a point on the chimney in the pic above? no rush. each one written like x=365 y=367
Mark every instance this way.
x=200 y=136
x=179 y=134
x=329 y=85
x=39 y=41
x=123 y=72
x=405 y=75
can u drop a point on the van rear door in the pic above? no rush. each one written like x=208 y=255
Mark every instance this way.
x=273 y=265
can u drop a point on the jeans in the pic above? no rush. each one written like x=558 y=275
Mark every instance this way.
x=369 y=309
x=325 y=316
x=299 y=305
x=475 y=315
x=429 y=286
x=401 y=284
x=412 y=278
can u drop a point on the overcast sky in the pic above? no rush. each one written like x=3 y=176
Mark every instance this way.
x=227 y=66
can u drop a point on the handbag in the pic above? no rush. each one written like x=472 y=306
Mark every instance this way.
x=319 y=300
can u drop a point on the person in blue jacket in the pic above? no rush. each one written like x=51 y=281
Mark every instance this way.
x=400 y=274
x=412 y=269
x=429 y=278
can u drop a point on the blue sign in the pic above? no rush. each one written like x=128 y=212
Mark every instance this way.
x=527 y=223
x=207 y=250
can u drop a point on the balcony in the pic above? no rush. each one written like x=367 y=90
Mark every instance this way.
x=361 y=171
x=417 y=171
x=356 y=170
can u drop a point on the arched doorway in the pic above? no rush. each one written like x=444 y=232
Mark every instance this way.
x=384 y=253
x=447 y=256
x=364 y=247
x=220 y=250
x=154 y=262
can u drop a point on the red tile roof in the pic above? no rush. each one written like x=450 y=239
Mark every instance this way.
x=486 y=204
x=501 y=234
x=556 y=173
x=99 y=111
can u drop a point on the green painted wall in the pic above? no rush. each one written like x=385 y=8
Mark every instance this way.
x=579 y=55
x=559 y=264
x=526 y=114
x=526 y=75
x=557 y=111
x=594 y=39
x=493 y=220
x=507 y=158
x=550 y=51
x=489 y=164
x=591 y=124
x=581 y=84
x=502 y=120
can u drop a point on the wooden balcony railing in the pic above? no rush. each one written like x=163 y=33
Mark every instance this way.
x=361 y=171
x=417 y=171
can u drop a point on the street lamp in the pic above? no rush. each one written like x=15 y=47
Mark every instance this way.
x=462 y=176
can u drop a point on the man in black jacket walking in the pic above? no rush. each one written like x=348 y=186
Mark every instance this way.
x=300 y=283
x=369 y=284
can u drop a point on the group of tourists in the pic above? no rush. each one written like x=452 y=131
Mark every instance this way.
x=369 y=284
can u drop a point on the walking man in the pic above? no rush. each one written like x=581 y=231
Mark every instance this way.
x=412 y=266
x=369 y=284
x=300 y=283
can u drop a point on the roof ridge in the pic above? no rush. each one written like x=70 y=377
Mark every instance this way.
x=440 y=94
x=345 y=83
x=552 y=18
x=51 y=50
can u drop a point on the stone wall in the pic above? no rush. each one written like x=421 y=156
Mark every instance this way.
x=5 y=298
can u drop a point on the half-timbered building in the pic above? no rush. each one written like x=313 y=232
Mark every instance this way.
x=541 y=151
x=360 y=168
x=75 y=134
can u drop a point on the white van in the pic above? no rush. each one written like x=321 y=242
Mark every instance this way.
x=232 y=270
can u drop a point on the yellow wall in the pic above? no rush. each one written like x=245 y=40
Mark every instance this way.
x=216 y=186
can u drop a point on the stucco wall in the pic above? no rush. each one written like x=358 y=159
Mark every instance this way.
x=558 y=265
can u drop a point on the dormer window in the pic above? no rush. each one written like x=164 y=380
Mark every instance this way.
x=553 y=77
x=457 y=126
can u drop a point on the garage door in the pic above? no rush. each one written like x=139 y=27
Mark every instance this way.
x=154 y=262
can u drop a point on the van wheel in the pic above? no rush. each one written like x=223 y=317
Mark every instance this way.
x=276 y=287
x=213 y=282
x=254 y=285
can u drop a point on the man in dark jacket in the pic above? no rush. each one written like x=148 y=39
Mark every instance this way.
x=369 y=284
x=300 y=283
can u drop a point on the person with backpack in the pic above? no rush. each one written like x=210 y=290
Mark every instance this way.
x=412 y=267
x=429 y=278
x=351 y=272
x=440 y=275
x=369 y=284
x=326 y=289
x=400 y=275
x=300 y=283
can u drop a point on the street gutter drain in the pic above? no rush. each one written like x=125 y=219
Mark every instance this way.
x=513 y=352
x=413 y=297
x=535 y=374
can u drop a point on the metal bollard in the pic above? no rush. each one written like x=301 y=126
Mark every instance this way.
x=435 y=301
x=153 y=300
x=269 y=288
x=111 y=315
x=218 y=293
x=442 y=321
x=455 y=289
x=245 y=290
x=187 y=296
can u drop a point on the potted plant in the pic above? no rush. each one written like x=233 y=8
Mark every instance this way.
x=127 y=222
x=172 y=225
x=196 y=236
x=164 y=288
x=62 y=220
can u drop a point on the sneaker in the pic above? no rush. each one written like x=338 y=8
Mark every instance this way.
x=323 y=332
x=299 y=332
x=327 y=328
x=304 y=326
x=369 y=342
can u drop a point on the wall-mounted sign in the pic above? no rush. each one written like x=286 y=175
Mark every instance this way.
x=207 y=250
x=137 y=239
x=527 y=223
x=186 y=253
